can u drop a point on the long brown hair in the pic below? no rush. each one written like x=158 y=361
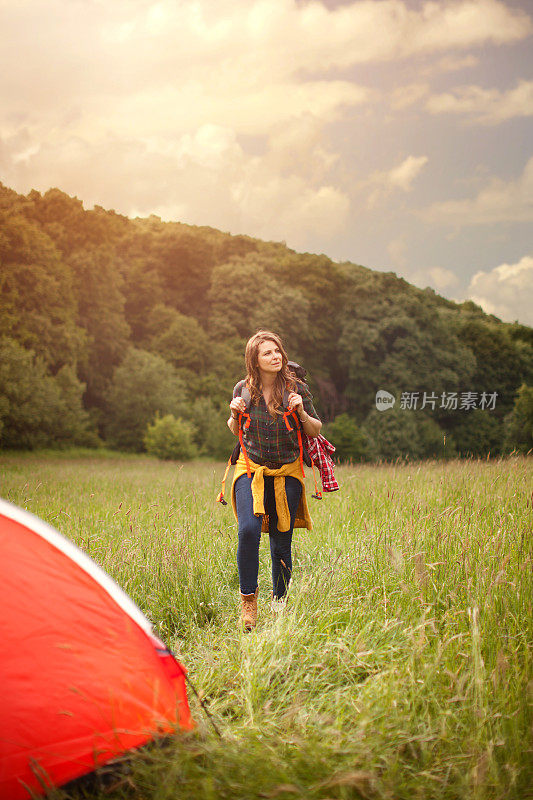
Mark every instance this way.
x=284 y=379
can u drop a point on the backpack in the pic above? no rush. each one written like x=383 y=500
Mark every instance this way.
x=244 y=392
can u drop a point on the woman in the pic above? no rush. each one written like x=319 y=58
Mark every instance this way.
x=268 y=492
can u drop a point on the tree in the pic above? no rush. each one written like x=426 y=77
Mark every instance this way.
x=74 y=424
x=478 y=432
x=396 y=337
x=245 y=296
x=170 y=438
x=183 y=260
x=142 y=386
x=350 y=442
x=80 y=287
x=519 y=422
x=212 y=435
x=179 y=339
x=501 y=363
x=69 y=225
x=403 y=433
x=37 y=409
x=101 y=313
x=142 y=292
x=37 y=302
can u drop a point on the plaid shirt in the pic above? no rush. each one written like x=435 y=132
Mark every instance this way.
x=267 y=438
x=319 y=449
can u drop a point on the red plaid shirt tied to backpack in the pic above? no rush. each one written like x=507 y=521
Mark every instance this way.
x=319 y=449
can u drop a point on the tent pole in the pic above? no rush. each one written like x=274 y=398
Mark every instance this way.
x=200 y=700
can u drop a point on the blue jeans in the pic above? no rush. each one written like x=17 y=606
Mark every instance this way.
x=250 y=534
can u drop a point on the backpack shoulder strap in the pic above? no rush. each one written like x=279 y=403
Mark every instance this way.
x=243 y=391
x=246 y=396
x=300 y=384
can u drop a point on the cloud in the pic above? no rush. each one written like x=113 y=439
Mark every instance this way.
x=397 y=250
x=217 y=112
x=264 y=196
x=381 y=184
x=288 y=37
x=499 y=201
x=506 y=291
x=250 y=110
x=454 y=63
x=442 y=278
x=408 y=95
x=485 y=106
x=278 y=207
x=438 y=278
x=130 y=61
x=204 y=177
x=404 y=174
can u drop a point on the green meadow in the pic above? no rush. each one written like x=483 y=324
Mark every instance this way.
x=402 y=666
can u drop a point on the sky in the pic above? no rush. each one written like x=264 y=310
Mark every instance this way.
x=396 y=134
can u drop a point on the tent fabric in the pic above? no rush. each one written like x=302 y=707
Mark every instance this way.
x=82 y=677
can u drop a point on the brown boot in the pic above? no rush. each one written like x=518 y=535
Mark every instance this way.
x=249 y=609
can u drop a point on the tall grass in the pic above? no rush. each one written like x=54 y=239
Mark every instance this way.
x=401 y=667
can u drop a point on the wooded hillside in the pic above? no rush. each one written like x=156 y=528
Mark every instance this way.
x=107 y=321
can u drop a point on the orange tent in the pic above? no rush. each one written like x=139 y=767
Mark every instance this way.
x=82 y=677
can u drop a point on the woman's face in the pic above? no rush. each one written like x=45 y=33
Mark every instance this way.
x=269 y=358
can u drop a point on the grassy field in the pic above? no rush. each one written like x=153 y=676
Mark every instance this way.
x=402 y=667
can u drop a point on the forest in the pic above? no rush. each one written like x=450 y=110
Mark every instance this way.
x=114 y=329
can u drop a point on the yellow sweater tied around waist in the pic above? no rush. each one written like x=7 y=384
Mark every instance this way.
x=302 y=519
